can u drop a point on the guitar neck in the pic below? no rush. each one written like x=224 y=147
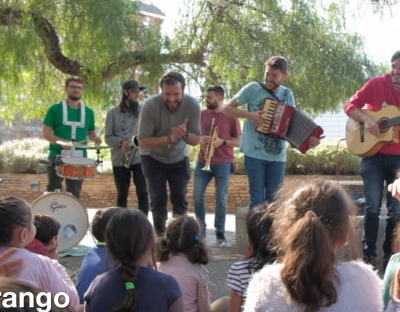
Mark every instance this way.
x=394 y=121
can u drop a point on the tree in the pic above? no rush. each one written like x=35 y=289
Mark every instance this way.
x=217 y=41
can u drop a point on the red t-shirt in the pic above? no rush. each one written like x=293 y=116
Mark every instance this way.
x=374 y=95
x=229 y=128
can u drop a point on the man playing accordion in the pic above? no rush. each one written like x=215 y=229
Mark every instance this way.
x=265 y=155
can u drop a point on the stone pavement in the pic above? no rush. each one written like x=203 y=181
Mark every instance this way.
x=221 y=257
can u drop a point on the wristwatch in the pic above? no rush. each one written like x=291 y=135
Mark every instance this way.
x=225 y=142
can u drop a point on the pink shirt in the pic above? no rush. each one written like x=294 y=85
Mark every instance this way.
x=376 y=93
x=190 y=278
x=46 y=274
x=229 y=128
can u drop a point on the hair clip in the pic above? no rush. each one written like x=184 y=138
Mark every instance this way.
x=311 y=213
x=196 y=238
x=129 y=286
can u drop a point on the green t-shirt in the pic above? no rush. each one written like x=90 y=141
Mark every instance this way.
x=54 y=119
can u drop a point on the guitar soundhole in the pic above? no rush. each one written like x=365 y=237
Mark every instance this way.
x=383 y=125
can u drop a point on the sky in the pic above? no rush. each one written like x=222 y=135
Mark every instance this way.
x=378 y=30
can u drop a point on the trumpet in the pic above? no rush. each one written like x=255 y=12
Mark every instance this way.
x=130 y=156
x=133 y=147
x=211 y=146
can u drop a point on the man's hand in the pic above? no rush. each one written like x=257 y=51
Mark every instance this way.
x=372 y=126
x=180 y=131
x=98 y=141
x=10 y=268
x=314 y=141
x=125 y=146
x=207 y=140
x=256 y=118
x=394 y=188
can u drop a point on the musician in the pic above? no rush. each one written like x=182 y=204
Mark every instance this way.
x=381 y=168
x=168 y=122
x=222 y=160
x=264 y=155
x=68 y=120
x=121 y=125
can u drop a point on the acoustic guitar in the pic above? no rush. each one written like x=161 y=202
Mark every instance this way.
x=362 y=143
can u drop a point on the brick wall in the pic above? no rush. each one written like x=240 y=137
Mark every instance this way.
x=100 y=191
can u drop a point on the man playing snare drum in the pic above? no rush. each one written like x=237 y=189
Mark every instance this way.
x=68 y=120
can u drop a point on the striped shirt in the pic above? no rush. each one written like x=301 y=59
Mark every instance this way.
x=240 y=274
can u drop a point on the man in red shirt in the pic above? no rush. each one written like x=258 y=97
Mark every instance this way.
x=376 y=94
x=221 y=162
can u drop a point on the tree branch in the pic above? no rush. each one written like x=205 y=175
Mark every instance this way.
x=52 y=48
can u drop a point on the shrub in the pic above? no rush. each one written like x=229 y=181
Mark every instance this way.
x=21 y=156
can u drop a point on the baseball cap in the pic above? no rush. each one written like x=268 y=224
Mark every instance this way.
x=132 y=84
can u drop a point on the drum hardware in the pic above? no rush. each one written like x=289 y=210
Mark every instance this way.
x=67 y=210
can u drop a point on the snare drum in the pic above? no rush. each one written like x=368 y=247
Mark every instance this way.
x=76 y=168
x=67 y=210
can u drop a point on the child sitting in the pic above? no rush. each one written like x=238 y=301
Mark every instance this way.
x=18 y=230
x=45 y=242
x=311 y=224
x=259 y=232
x=132 y=285
x=96 y=261
x=183 y=255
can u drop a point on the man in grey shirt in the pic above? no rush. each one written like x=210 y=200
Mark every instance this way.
x=121 y=125
x=168 y=121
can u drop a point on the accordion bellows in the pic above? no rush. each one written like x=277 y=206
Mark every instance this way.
x=289 y=123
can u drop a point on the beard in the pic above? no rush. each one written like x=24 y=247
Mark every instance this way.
x=274 y=85
x=74 y=97
x=133 y=106
x=172 y=106
x=211 y=105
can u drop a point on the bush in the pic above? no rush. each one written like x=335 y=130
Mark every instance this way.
x=21 y=156
x=325 y=159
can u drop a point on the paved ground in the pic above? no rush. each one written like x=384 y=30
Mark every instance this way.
x=221 y=257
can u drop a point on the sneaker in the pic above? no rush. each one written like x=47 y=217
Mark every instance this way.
x=220 y=238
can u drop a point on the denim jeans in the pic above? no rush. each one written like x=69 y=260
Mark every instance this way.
x=265 y=178
x=375 y=171
x=221 y=173
x=122 y=178
x=54 y=181
x=157 y=175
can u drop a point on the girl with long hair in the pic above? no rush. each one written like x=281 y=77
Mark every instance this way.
x=310 y=225
x=132 y=286
x=182 y=254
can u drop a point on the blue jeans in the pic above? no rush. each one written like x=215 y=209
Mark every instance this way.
x=222 y=174
x=157 y=175
x=265 y=178
x=375 y=171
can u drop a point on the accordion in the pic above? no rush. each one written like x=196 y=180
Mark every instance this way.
x=289 y=123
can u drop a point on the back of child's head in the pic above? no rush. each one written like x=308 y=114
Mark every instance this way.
x=183 y=236
x=310 y=225
x=100 y=221
x=26 y=294
x=47 y=227
x=14 y=213
x=129 y=237
x=259 y=231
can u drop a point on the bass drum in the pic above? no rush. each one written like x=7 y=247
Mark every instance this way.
x=67 y=210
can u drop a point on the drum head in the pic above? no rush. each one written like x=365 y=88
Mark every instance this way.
x=67 y=210
x=78 y=161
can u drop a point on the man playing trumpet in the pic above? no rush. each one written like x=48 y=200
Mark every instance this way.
x=216 y=159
